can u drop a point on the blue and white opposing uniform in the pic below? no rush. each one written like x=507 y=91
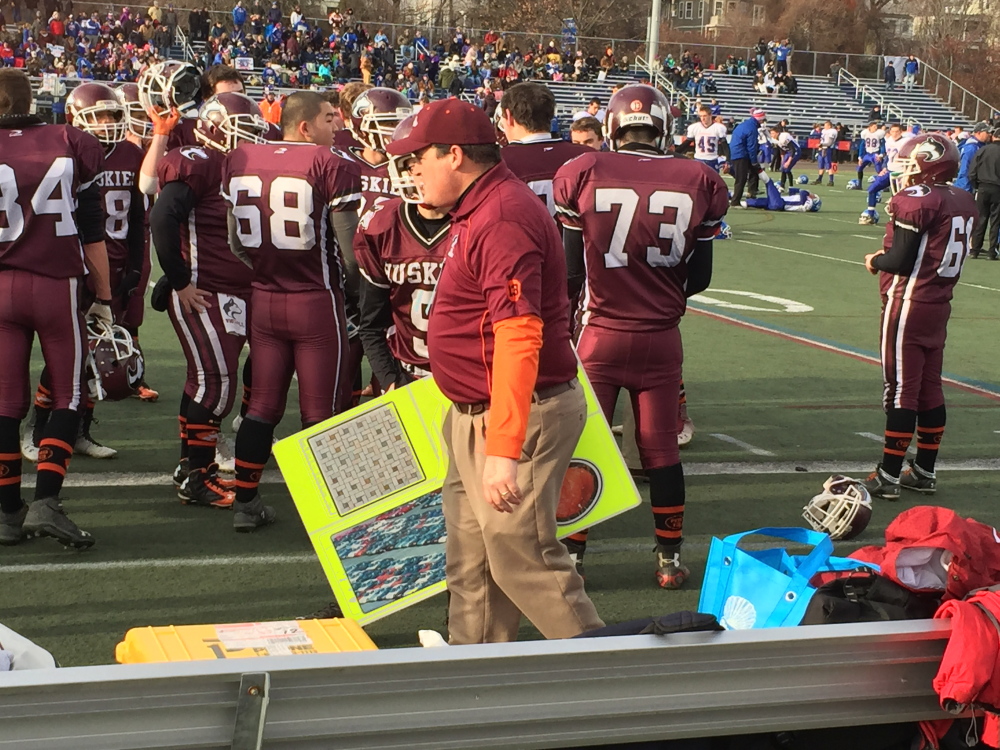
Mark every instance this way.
x=790 y=151
x=827 y=145
x=873 y=149
x=706 y=142
x=795 y=199
x=892 y=146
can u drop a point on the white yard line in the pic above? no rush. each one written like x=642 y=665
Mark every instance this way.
x=814 y=236
x=870 y=435
x=740 y=444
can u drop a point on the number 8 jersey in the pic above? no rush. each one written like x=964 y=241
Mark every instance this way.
x=641 y=214
x=42 y=169
x=281 y=194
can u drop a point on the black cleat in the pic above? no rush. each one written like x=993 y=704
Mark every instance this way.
x=203 y=487
x=251 y=516
x=12 y=526
x=46 y=517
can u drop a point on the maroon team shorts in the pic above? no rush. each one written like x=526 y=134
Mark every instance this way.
x=912 y=348
x=302 y=333
x=212 y=354
x=31 y=304
x=648 y=366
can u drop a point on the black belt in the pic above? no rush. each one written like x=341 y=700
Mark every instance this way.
x=536 y=397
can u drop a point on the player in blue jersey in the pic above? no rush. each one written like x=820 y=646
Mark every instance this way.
x=892 y=143
x=872 y=149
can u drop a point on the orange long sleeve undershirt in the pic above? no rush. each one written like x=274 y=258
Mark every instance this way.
x=516 y=347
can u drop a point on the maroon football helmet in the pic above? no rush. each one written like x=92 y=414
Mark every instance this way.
x=227 y=120
x=170 y=85
x=925 y=159
x=375 y=115
x=400 y=178
x=94 y=108
x=138 y=121
x=634 y=105
x=842 y=510
x=115 y=366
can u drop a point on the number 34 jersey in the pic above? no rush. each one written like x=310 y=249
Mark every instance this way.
x=641 y=214
x=281 y=195
x=945 y=217
x=42 y=168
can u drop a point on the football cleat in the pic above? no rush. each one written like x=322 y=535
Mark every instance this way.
x=28 y=448
x=915 y=478
x=203 y=487
x=225 y=455
x=670 y=573
x=817 y=181
x=853 y=185
x=842 y=510
x=803 y=179
x=181 y=472
x=881 y=485
x=329 y=612
x=87 y=446
x=576 y=551
x=12 y=526
x=46 y=517
x=685 y=432
x=251 y=516
x=868 y=218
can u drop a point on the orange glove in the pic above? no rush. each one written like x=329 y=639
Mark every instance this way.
x=164 y=123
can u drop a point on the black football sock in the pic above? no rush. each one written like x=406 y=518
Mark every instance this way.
x=930 y=430
x=861 y=175
x=10 y=465
x=666 y=494
x=182 y=422
x=202 y=436
x=899 y=426
x=42 y=407
x=55 y=450
x=247 y=387
x=253 y=448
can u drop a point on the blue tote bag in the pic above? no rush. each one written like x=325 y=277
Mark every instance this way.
x=765 y=588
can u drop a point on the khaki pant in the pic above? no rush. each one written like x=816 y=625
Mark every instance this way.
x=500 y=565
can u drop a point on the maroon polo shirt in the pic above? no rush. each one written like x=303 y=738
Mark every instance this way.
x=504 y=259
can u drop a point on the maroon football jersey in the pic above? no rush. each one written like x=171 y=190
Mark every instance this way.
x=205 y=235
x=344 y=140
x=393 y=255
x=945 y=216
x=183 y=134
x=42 y=168
x=536 y=163
x=281 y=194
x=118 y=189
x=375 y=186
x=641 y=214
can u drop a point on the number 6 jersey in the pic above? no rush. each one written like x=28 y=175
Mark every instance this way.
x=641 y=214
x=281 y=195
x=42 y=169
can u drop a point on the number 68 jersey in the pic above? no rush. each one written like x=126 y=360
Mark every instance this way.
x=641 y=214
x=42 y=168
x=945 y=216
x=281 y=195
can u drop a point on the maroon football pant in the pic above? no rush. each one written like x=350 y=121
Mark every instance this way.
x=212 y=355
x=30 y=303
x=912 y=348
x=648 y=366
x=301 y=333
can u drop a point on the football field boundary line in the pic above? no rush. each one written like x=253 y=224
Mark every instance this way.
x=968 y=385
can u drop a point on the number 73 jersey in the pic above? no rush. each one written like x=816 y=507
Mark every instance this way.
x=281 y=195
x=945 y=217
x=641 y=215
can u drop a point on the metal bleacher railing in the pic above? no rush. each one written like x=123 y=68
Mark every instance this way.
x=958 y=97
x=537 y=694
x=863 y=91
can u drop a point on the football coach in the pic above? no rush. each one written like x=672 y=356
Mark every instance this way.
x=499 y=348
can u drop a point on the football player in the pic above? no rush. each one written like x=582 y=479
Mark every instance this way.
x=927 y=240
x=709 y=139
x=209 y=305
x=374 y=115
x=893 y=142
x=532 y=154
x=286 y=197
x=638 y=228
x=827 y=152
x=52 y=235
x=344 y=138
x=873 y=143
x=399 y=247
x=587 y=131
x=789 y=152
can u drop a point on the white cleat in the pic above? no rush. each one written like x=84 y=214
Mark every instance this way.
x=686 y=432
x=87 y=446
x=225 y=455
x=237 y=421
x=28 y=448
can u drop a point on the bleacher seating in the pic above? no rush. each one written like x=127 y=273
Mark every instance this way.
x=917 y=105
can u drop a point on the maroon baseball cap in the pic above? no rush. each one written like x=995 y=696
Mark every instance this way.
x=447 y=121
